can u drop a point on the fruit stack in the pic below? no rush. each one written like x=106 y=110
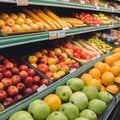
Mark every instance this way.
x=17 y=80
x=73 y=101
x=53 y=63
x=84 y=97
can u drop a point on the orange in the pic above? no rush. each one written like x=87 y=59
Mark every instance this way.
x=100 y=66
x=117 y=63
x=115 y=70
x=95 y=73
x=107 y=78
x=116 y=50
x=107 y=66
x=85 y=77
x=116 y=56
x=112 y=88
x=109 y=60
x=94 y=82
x=32 y=59
x=117 y=79
x=53 y=101
x=102 y=88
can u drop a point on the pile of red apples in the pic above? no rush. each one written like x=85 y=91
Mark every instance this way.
x=17 y=80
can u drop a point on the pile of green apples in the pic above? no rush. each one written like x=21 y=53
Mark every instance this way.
x=79 y=102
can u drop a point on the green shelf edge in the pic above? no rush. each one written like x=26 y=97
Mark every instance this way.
x=41 y=36
x=66 y=5
x=25 y=102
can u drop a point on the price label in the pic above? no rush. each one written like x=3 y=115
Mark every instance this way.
x=82 y=2
x=60 y=34
x=112 y=9
x=73 y=70
x=52 y=35
x=66 y=28
x=97 y=7
x=110 y=26
x=22 y=2
x=41 y=88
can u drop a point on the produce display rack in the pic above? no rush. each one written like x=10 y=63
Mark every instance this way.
x=14 y=40
x=40 y=94
x=41 y=36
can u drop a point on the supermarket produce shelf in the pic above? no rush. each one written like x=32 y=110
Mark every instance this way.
x=40 y=94
x=14 y=40
x=67 y=4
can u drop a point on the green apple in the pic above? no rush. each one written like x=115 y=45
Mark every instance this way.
x=21 y=115
x=76 y=84
x=52 y=68
x=51 y=61
x=70 y=110
x=105 y=96
x=87 y=113
x=81 y=118
x=79 y=99
x=97 y=105
x=39 y=109
x=64 y=93
x=91 y=92
x=56 y=115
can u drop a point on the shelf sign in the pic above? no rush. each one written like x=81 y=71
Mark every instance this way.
x=52 y=35
x=22 y=2
x=112 y=9
x=60 y=34
x=82 y=2
x=97 y=7
x=41 y=88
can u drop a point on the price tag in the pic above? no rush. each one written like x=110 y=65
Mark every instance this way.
x=97 y=7
x=42 y=87
x=73 y=70
x=66 y=28
x=110 y=26
x=112 y=9
x=52 y=35
x=60 y=34
x=82 y=2
x=22 y=2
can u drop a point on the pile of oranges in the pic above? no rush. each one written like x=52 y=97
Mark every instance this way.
x=105 y=74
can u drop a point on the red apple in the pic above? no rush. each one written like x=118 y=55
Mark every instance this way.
x=75 y=65
x=31 y=72
x=1 y=57
x=60 y=58
x=7 y=82
x=15 y=70
x=36 y=79
x=27 y=91
x=1 y=76
x=23 y=67
x=44 y=51
x=65 y=68
x=16 y=79
x=9 y=65
x=23 y=74
x=17 y=97
x=34 y=87
x=3 y=95
x=2 y=67
x=42 y=60
x=12 y=90
x=28 y=81
x=44 y=81
x=1 y=86
x=8 y=101
x=7 y=74
x=42 y=68
x=51 y=53
x=20 y=87
x=57 y=60
x=49 y=74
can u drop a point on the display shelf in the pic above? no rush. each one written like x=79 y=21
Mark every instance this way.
x=41 y=36
x=75 y=5
x=25 y=102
